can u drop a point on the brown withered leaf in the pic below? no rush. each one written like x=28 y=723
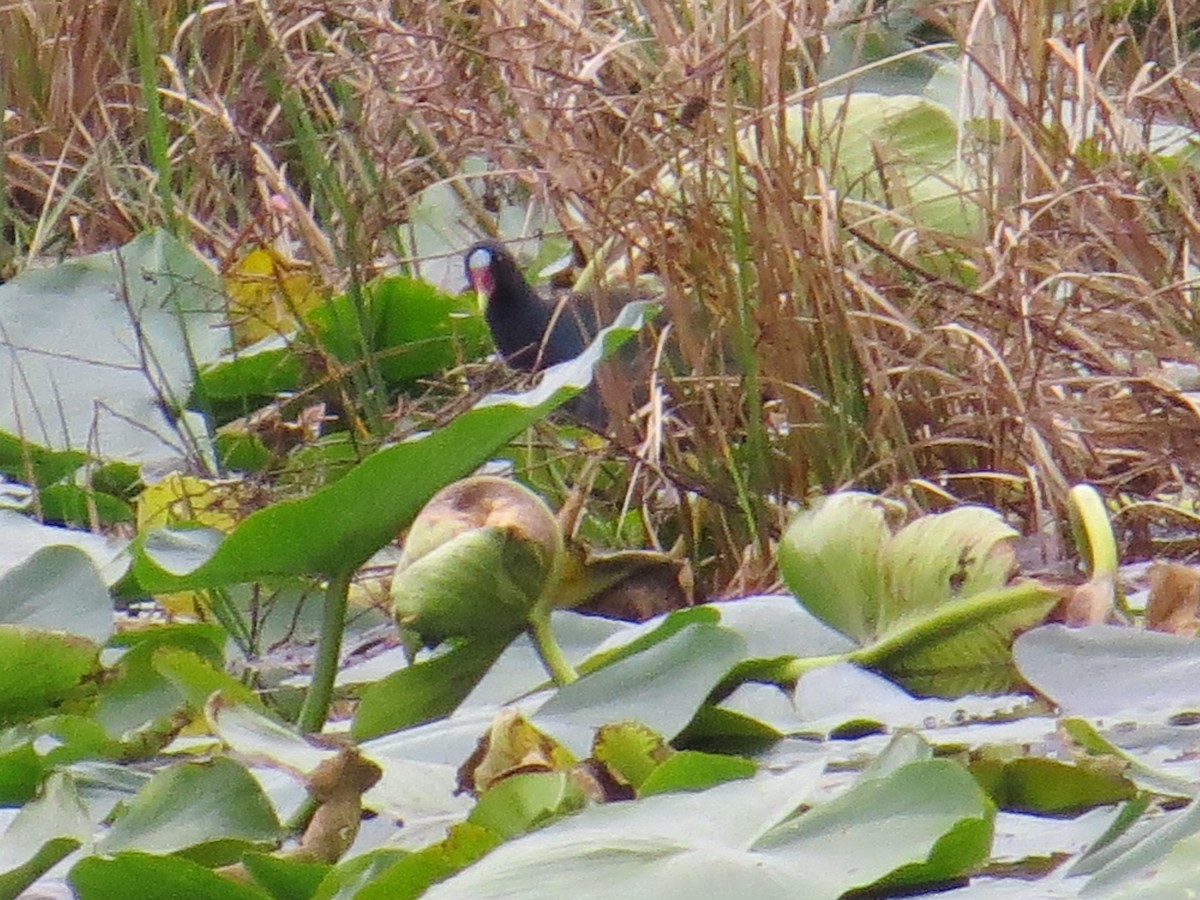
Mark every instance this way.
x=1174 y=603
x=512 y=746
x=1090 y=603
x=337 y=785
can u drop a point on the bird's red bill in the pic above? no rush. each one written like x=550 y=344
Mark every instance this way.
x=481 y=279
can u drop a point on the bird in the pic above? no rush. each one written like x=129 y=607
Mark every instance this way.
x=533 y=332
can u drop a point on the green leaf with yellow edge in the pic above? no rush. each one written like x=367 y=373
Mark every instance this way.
x=527 y=801
x=630 y=751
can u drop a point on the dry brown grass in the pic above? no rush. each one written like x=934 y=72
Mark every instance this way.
x=817 y=347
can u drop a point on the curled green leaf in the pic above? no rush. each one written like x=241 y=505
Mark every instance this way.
x=478 y=558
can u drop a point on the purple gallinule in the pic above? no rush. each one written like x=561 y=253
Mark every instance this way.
x=533 y=332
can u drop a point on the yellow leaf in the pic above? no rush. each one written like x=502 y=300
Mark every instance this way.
x=179 y=498
x=268 y=295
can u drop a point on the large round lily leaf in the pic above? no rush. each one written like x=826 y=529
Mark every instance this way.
x=99 y=351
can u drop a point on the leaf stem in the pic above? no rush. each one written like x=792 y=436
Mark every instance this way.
x=549 y=651
x=320 y=692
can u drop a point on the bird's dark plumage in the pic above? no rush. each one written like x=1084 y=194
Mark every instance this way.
x=533 y=332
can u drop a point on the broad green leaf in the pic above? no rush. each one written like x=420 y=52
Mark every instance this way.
x=1147 y=777
x=1170 y=878
x=137 y=695
x=962 y=647
x=419 y=331
x=414 y=331
x=73 y=505
x=59 y=741
x=197 y=680
x=731 y=730
x=922 y=823
x=775 y=625
x=661 y=687
x=670 y=845
x=42 y=673
x=21 y=537
x=154 y=878
x=31 y=463
x=1106 y=670
x=373 y=502
x=1048 y=787
x=521 y=803
x=829 y=558
x=127 y=326
x=344 y=882
x=21 y=767
x=691 y=770
x=897 y=152
x=1144 y=853
x=636 y=639
x=412 y=875
x=259 y=371
x=285 y=879
x=212 y=810
x=426 y=690
x=43 y=832
x=58 y=588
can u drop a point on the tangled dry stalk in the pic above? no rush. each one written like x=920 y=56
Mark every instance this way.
x=817 y=347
